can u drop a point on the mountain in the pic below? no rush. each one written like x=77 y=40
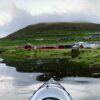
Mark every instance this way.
x=47 y=29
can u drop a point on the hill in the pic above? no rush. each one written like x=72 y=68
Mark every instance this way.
x=47 y=30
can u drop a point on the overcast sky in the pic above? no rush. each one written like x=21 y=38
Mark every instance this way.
x=16 y=14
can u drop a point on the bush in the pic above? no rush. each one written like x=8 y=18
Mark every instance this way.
x=2 y=50
x=75 y=52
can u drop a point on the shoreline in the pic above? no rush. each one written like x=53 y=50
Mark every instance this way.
x=57 y=70
x=55 y=62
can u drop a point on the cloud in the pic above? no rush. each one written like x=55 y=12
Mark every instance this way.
x=20 y=13
x=14 y=19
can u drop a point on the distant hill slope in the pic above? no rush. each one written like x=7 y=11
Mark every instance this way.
x=37 y=30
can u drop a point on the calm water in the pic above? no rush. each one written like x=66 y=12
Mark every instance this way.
x=20 y=86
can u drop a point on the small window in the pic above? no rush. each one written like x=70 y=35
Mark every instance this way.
x=50 y=98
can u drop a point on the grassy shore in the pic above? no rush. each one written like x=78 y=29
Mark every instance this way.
x=58 y=62
x=89 y=55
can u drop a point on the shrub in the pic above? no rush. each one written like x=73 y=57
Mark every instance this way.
x=2 y=50
x=75 y=52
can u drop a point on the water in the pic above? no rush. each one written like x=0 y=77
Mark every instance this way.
x=20 y=86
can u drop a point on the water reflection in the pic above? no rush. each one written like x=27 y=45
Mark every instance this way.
x=15 y=85
x=20 y=86
x=57 y=68
x=47 y=76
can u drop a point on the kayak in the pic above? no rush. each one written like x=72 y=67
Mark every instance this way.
x=51 y=90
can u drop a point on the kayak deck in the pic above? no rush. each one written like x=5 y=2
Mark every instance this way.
x=51 y=90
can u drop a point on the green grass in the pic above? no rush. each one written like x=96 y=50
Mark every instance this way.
x=86 y=55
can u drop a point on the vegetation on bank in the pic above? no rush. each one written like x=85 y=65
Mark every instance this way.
x=89 y=55
x=84 y=61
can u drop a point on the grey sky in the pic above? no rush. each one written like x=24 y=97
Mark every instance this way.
x=16 y=14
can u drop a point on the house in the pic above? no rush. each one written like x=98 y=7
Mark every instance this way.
x=60 y=46
x=84 y=45
x=28 y=46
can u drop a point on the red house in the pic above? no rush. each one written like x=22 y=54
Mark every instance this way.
x=28 y=46
x=61 y=46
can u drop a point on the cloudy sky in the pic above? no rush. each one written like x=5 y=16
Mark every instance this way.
x=16 y=14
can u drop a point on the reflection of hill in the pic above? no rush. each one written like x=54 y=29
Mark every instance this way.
x=57 y=68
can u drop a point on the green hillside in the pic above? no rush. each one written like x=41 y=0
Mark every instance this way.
x=51 y=33
x=53 y=29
